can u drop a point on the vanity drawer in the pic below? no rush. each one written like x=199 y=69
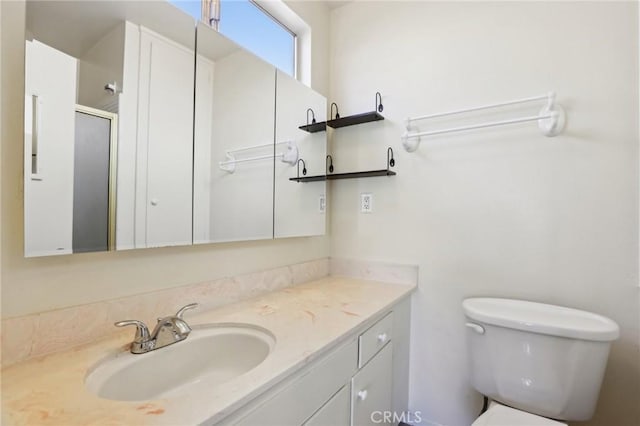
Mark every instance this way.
x=374 y=339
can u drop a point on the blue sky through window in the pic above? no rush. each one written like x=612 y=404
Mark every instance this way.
x=247 y=25
x=250 y=27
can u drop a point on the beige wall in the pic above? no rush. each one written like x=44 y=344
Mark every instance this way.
x=316 y=15
x=34 y=285
x=500 y=212
x=2 y=135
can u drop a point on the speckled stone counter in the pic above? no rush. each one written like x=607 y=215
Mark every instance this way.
x=307 y=321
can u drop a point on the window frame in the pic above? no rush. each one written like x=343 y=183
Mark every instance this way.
x=212 y=14
x=287 y=29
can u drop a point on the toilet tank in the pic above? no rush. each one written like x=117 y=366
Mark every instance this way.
x=544 y=359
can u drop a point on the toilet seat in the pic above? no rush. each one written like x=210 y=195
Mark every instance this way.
x=500 y=415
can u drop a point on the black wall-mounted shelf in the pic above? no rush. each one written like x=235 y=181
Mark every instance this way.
x=317 y=178
x=315 y=127
x=336 y=123
x=351 y=175
x=369 y=173
x=352 y=120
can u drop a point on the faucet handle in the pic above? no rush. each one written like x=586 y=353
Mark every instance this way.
x=142 y=332
x=186 y=308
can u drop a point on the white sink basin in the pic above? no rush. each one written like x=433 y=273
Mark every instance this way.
x=216 y=353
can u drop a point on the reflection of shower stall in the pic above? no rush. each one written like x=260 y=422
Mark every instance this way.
x=94 y=180
x=70 y=158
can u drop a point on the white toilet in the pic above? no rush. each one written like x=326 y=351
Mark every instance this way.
x=536 y=362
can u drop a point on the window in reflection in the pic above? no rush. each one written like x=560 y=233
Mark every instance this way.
x=251 y=27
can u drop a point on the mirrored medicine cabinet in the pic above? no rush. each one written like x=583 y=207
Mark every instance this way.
x=134 y=138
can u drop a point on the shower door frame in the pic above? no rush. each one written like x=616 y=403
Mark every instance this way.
x=113 y=167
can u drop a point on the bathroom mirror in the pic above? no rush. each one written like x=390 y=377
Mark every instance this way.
x=299 y=207
x=234 y=150
x=108 y=126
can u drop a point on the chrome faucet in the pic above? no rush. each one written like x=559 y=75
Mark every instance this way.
x=168 y=330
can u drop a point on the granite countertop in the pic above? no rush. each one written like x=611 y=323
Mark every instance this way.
x=307 y=321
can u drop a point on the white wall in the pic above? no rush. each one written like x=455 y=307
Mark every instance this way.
x=498 y=212
x=242 y=116
x=34 y=285
x=202 y=144
x=103 y=63
x=297 y=205
x=2 y=135
x=316 y=16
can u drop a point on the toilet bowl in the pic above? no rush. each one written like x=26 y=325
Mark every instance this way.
x=536 y=361
x=501 y=415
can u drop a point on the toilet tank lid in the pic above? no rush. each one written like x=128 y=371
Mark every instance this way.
x=541 y=318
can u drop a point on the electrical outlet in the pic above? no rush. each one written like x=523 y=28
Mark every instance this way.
x=322 y=204
x=366 y=203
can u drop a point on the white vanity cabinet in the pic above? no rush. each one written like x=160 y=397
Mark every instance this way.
x=353 y=385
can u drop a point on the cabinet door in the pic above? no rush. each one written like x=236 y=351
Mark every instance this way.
x=371 y=390
x=49 y=134
x=298 y=401
x=165 y=141
x=336 y=412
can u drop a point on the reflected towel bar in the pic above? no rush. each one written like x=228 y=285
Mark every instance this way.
x=290 y=156
x=264 y=145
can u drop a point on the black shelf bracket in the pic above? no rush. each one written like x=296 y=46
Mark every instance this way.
x=304 y=177
x=379 y=106
x=390 y=160
x=313 y=126
x=328 y=167
x=331 y=111
x=304 y=167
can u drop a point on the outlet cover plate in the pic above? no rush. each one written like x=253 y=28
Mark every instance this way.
x=366 y=202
